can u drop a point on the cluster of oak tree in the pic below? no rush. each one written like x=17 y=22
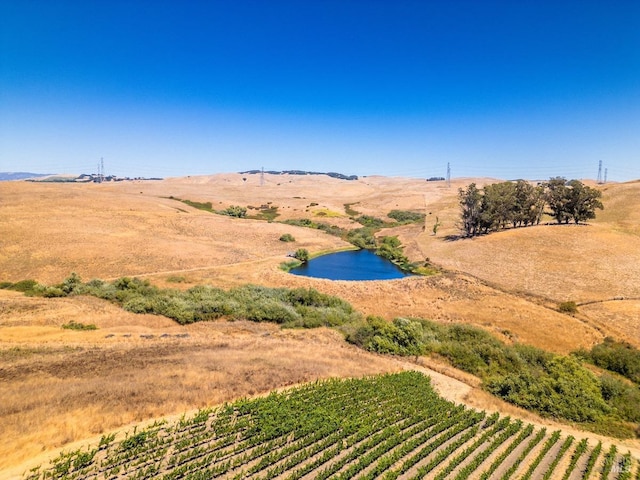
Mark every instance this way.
x=505 y=204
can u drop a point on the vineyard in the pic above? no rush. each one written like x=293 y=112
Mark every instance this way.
x=391 y=427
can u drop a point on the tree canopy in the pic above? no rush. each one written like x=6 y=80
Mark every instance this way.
x=520 y=203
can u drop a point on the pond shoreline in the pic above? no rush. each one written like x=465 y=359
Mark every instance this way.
x=350 y=264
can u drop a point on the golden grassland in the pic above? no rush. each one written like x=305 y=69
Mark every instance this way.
x=61 y=386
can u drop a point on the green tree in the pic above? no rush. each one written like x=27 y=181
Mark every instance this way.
x=529 y=204
x=498 y=206
x=470 y=200
x=557 y=197
x=582 y=201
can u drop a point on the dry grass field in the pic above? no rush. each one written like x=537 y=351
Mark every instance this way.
x=61 y=386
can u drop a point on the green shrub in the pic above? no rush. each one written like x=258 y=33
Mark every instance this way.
x=24 y=286
x=301 y=254
x=325 y=227
x=138 y=304
x=287 y=237
x=564 y=389
x=624 y=398
x=619 y=357
x=313 y=298
x=301 y=222
x=270 y=310
x=391 y=249
x=400 y=337
x=362 y=238
x=369 y=221
x=71 y=283
x=49 y=292
x=235 y=211
x=568 y=307
x=5 y=285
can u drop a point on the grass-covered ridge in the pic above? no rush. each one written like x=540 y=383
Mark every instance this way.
x=378 y=427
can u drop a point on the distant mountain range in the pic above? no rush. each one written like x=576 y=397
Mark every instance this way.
x=21 y=175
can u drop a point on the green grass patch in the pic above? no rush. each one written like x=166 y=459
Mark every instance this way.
x=325 y=212
x=206 y=206
x=286 y=266
x=406 y=216
x=176 y=279
x=73 y=325
x=351 y=211
x=266 y=212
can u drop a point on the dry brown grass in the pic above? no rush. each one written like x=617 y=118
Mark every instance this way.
x=59 y=386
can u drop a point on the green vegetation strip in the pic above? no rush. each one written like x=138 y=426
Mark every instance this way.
x=556 y=386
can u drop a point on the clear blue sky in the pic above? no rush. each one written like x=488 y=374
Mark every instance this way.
x=509 y=89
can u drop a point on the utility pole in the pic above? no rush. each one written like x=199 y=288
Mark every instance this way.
x=600 y=171
x=605 y=175
x=448 y=175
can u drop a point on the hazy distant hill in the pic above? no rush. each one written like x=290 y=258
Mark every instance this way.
x=4 y=176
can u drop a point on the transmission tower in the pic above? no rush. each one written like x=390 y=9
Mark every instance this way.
x=101 y=170
x=600 y=171
x=448 y=174
x=605 y=175
x=262 y=177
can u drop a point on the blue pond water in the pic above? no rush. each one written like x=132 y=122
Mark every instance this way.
x=351 y=265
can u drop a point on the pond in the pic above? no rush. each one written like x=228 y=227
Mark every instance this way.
x=350 y=265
